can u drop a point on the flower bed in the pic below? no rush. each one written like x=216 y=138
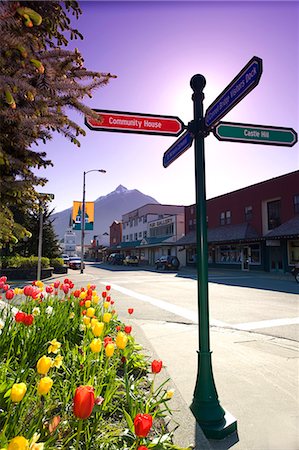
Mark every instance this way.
x=73 y=377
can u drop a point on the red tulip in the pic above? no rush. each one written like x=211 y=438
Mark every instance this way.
x=142 y=424
x=108 y=288
x=104 y=294
x=1 y=284
x=92 y=287
x=3 y=278
x=130 y=310
x=56 y=284
x=118 y=328
x=128 y=329
x=28 y=290
x=77 y=293
x=49 y=289
x=9 y=294
x=65 y=288
x=28 y=319
x=142 y=447
x=108 y=298
x=107 y=340
x=6 y=287
x=156 y=366
x=20 y=316
x=83 y=402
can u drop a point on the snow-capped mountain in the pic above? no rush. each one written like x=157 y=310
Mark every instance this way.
x=106 y=209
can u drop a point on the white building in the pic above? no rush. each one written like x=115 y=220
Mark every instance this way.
x=151 y=230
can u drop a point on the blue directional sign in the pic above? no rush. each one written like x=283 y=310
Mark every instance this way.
x=178 y=148
x=241 y=85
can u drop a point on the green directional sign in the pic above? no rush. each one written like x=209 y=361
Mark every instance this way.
x=255 y=134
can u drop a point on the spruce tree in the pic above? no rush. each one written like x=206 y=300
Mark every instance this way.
x=40 y=80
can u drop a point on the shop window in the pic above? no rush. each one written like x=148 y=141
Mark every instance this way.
x=273 y=209
x=248 y=213
x=293 y=248
x=296 y=204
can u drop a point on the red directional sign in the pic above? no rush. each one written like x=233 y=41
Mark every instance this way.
x=128 y=122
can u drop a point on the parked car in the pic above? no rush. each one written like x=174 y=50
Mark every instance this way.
x=75 y=263
x=65 y=258
x=116 y=258
x=131 y=261
x=167 y=262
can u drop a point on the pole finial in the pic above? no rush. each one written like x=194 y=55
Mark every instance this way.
x=197 y=83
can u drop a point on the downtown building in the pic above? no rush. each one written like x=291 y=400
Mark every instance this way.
x=148 y=232
x=256 y=227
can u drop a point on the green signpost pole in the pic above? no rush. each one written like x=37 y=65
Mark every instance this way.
x=215 y=422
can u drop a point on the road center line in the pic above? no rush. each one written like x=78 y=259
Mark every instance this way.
x=178 y=310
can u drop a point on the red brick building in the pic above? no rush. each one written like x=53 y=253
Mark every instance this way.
x=256 y=227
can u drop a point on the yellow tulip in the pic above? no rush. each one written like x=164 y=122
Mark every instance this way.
x=95 y=299
x=54 y=347
x=97 y=329
x=18 y=443
x=82 y=295
x=57 y=361
x=43 y=365
x=96 y=345
x=90 y=312
x=86 y=320
x=107 y=317
x=44 y=385
x=121 y=340
x=106 y=305
x=93 y=321
x=88 y=303
x=17 y=392
x=109 y=350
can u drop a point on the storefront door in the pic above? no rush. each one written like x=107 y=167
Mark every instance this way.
x=276 y=263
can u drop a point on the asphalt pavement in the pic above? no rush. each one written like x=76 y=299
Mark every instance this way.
x=256 y=377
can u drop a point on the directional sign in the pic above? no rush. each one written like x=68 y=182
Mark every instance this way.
x=178 y=148
x=128 y=122
x=255 y=134
x=241 y=85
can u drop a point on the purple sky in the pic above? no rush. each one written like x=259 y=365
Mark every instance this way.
x=155 y=48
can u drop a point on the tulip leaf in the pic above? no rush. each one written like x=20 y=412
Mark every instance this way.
x=129 y=421
x=7 y=394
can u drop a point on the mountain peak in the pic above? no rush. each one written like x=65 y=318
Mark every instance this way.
x=120 y=189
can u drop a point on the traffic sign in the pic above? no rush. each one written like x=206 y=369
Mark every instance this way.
x=178 y=148
x=255 y=134
x=241 y=85
x=128 y=122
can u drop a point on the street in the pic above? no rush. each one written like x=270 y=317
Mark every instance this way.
x=254 y=340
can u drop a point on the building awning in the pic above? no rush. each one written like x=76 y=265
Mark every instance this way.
x=289 y=229
x=154 y=242
x=225 y=233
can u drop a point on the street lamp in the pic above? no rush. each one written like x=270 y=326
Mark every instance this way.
x=83 y=215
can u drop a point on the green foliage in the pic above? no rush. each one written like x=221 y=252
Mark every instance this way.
x=56 y=263
x=21 y=262
x=39 y=82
